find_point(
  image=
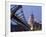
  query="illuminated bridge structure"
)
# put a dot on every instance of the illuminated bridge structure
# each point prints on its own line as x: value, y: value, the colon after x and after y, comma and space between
x: 17, y: 17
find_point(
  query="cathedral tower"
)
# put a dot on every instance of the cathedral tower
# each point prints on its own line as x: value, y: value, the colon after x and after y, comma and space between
x: 31, y: 21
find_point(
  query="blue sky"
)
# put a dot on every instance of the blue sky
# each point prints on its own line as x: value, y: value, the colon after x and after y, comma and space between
x: 37, y: 12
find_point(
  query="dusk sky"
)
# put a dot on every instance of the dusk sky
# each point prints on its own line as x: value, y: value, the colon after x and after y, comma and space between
x: 36, y: 12
x: 27, y: 10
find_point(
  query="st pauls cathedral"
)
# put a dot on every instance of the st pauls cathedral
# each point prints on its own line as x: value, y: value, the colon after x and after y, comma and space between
x: 34, y: 25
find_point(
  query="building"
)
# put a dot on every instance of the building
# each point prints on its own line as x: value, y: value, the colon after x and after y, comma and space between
x: 34, y: 25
